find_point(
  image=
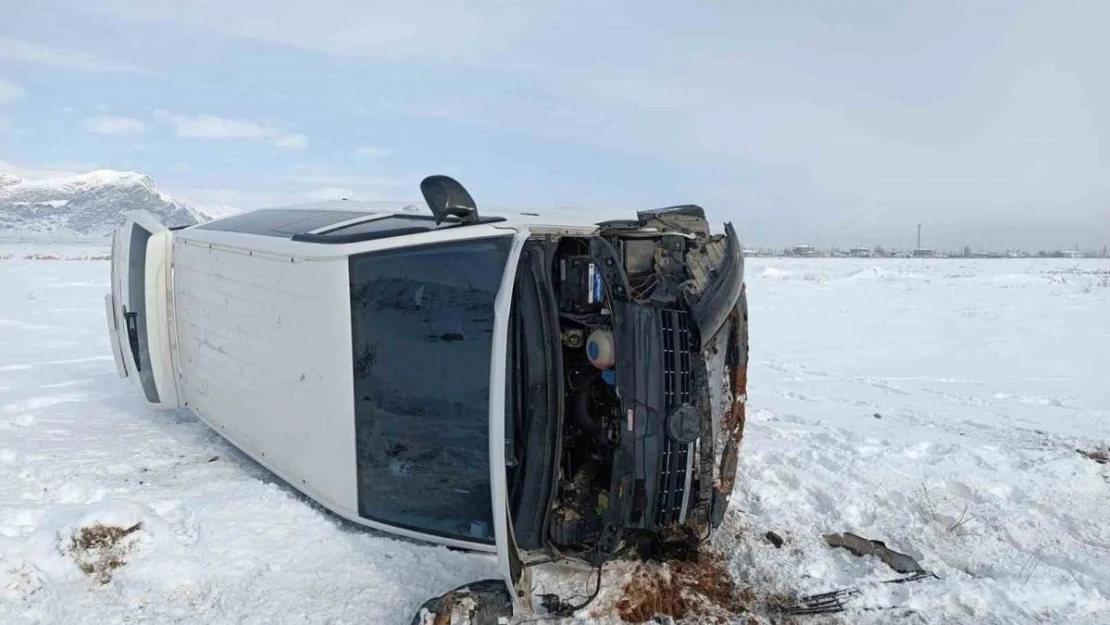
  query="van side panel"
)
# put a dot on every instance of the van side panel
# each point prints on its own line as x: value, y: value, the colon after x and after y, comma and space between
x: 264, y: 347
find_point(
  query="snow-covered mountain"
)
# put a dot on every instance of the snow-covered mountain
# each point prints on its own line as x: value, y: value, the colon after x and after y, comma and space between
x: 86, y: 204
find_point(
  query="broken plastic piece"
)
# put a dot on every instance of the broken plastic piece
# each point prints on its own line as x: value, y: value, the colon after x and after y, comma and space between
x: 861, y: 546
x: 487, y: 602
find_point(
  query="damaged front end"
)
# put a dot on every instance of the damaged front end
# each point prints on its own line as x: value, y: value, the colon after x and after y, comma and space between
x: 626, y: 369
x: 649, y: 444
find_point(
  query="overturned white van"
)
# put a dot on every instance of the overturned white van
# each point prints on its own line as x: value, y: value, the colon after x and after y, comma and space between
x: 491, y: 383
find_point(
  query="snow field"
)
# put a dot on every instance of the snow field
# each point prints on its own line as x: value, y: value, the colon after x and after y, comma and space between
x: 986, y: 376
x: 220, y: 542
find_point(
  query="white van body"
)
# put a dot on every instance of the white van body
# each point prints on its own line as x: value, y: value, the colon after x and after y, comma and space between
x: 251, y: 331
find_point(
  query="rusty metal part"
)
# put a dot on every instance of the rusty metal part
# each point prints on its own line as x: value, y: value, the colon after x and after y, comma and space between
x: 735, y: 418
x: 739, y: 369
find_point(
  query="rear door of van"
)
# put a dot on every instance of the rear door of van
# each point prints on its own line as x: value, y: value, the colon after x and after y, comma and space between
x: 140, y: 307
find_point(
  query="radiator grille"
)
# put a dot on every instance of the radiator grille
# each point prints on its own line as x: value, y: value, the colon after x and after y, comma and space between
x: 676, y: 389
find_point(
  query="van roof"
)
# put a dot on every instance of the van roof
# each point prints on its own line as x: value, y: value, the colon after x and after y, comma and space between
x: 514, y: 215
x: 322, y: 225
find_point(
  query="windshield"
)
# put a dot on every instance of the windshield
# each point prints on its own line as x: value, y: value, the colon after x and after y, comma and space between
x: 421, y: 324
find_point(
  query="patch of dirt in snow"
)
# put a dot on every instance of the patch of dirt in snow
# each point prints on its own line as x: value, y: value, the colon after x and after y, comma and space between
x: 702, y: 591
x: 100, y: 549
x: 1101, y: 456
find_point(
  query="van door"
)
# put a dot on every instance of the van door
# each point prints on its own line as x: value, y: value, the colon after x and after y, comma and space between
x: 140, y: 307
x: 517, y: 577
x: 490, y: 600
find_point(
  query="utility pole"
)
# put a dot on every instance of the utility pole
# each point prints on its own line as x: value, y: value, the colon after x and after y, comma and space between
x: 918, y: 236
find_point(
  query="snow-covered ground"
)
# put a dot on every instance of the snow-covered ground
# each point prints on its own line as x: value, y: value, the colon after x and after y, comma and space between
x: 986, y: 377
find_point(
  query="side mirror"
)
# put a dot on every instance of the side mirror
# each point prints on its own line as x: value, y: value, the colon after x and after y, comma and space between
x: 447, y: 197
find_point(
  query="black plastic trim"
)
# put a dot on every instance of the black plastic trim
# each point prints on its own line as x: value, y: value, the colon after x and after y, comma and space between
x: 713, y: 307
x: 688, y: 210
x: 336, y: 238
x: 324, y: 237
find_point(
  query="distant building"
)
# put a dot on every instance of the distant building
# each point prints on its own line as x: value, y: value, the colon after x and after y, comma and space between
x: 1070, y: 254
x: 924, y: 252
x: 803, y: 250
x: 860, y: 252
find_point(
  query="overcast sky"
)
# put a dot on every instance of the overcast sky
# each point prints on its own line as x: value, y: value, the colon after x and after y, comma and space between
x: 816, y: 121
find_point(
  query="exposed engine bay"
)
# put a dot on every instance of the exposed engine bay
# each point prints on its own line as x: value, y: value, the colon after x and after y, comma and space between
x: 639, y: 459
x: 593, y: 423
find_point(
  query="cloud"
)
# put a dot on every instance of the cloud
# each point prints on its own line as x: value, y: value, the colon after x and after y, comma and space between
x: 44, y: 172
x: 367, y: 185
x: 25, y: 51
x: 215, y: 127
x: 372, y: 151
x: 797, y: 117
x: 293, y: 140
x: 220, y: 202
x: 10, y: 92
x: 115, y: 125
x: 305, y: 182
x: 330, y: 193
x: 5, y: 125
x: 217, y: 202
x: 449, y: 31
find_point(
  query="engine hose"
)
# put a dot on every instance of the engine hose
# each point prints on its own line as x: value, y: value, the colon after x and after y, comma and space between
x: 549, y: 319
x: 580, y: 412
